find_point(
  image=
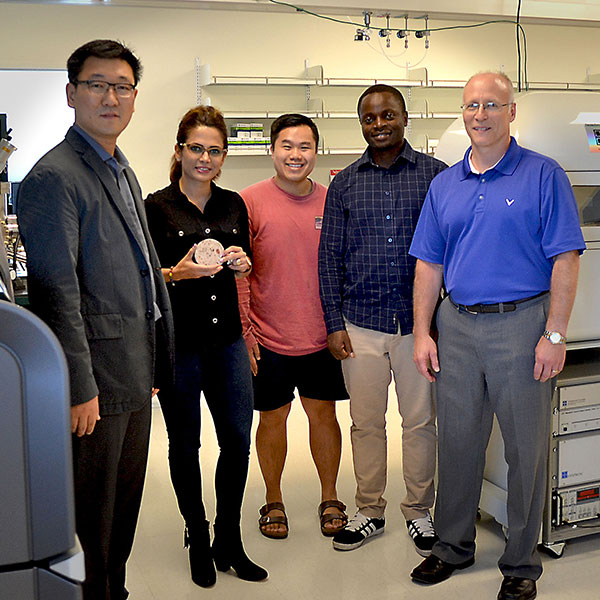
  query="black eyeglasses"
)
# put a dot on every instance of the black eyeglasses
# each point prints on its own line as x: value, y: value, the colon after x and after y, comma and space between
x: 199, y: 150
x: 99, y: 87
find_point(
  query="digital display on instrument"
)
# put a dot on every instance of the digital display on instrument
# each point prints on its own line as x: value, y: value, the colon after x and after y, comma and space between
x: 588, y: 494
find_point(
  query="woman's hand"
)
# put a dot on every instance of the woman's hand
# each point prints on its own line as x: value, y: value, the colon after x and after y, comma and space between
x: 237, y: 260
x: 186, y: 268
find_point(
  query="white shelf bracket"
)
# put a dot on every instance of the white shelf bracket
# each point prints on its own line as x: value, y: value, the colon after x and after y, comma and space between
x: 202, y: 79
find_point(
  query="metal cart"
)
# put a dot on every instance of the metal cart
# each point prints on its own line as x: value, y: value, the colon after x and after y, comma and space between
x: 572, y: 507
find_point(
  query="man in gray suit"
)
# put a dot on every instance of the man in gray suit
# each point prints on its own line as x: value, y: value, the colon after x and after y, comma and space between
x: 94, y: 277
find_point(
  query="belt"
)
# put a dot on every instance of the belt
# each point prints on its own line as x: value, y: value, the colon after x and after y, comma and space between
x: 500, y: 307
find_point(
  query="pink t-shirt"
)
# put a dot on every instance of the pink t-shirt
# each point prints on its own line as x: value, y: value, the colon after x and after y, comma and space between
x: 279, y: 302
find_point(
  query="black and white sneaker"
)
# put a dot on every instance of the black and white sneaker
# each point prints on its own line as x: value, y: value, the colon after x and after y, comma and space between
x: 359, y: 528
x: 423, y: 534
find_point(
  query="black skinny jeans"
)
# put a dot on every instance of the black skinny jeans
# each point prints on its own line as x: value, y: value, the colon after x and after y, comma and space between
x: 223, y: 374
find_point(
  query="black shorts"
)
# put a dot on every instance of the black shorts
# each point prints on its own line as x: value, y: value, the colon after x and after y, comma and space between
x: 317, y: 375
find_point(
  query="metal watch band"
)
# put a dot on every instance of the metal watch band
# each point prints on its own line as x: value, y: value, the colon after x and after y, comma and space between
x: 552, y: 334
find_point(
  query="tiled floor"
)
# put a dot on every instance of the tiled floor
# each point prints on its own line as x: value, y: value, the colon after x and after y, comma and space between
x: 304, y: 566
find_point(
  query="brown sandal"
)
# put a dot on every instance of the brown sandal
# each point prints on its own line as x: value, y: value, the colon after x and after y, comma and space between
x: 326, y: 518
x: 265, y: 520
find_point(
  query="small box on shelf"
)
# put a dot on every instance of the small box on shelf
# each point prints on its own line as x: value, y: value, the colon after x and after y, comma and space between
x: 246, y: 146
x: 247, y: 131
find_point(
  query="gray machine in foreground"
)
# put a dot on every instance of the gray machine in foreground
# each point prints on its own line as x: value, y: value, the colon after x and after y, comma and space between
x: 565, y: 126
x: 573, y: 500
x: 40, y: 557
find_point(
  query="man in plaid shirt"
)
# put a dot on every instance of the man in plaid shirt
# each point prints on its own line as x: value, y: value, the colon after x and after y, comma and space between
x: 366, y: 284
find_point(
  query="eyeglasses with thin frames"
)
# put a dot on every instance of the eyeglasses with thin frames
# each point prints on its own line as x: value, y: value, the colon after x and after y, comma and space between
x: 492, y: 107
x: 99, y: 87
x: 199, y: 150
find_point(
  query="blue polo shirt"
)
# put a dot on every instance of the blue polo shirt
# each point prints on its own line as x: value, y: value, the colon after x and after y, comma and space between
x: 496, y: 233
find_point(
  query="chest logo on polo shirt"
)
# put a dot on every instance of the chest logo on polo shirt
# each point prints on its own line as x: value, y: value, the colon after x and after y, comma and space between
x: 509, y: 202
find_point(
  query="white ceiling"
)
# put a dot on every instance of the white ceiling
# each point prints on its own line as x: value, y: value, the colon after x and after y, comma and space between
x: 579, y: 12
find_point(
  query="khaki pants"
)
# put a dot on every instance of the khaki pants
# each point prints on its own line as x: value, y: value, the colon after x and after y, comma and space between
x: 367, y: 377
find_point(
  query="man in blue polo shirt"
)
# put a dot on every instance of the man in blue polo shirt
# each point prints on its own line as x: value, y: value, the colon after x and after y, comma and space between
x: 501, y: 229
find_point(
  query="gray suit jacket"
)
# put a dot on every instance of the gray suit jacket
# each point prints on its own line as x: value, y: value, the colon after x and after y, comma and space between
x: 89, y: 280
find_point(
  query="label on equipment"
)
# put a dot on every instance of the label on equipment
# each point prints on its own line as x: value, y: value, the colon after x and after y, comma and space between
x: 593, y: 136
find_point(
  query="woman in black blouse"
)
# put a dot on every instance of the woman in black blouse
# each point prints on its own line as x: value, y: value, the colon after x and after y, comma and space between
x: 210, y: 353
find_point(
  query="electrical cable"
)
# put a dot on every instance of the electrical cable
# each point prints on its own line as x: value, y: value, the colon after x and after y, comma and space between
x: 386, y: 55
x: 520, y: 30
x: 446, y: 28
x: 413, y: 65
x: 525, y: 76
x: 15, y: 248
x: 522, y: 64
x: 518, y: 45
x: 383, y: 53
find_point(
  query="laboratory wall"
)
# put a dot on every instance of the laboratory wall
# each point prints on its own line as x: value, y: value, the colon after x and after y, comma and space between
x: 268, y: 44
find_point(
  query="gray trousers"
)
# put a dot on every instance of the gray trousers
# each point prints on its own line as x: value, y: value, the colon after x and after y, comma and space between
x: 486, y: 367
x: 109, y: 468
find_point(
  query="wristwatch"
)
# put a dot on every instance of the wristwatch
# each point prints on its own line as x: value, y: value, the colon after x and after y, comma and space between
x: 555, y: 337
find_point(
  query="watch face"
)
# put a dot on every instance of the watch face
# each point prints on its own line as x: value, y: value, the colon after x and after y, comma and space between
x: 555, y: 337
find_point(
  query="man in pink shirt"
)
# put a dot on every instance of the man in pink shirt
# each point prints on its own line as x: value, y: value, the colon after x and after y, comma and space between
x: 283, y: 322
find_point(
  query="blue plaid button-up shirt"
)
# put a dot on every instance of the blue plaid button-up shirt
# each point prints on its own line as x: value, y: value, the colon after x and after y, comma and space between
x: 365, y: 271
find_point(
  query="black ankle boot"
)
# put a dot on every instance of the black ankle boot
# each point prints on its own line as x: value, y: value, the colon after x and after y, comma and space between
x: 228, y: 552
x: 202, y: 568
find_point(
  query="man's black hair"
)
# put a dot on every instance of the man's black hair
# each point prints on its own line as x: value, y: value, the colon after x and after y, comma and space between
x: 293, y: 120
x: 382, y: 88
x: 102, y: 49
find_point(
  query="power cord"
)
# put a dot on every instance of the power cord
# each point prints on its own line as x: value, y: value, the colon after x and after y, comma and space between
x: 522, y: 61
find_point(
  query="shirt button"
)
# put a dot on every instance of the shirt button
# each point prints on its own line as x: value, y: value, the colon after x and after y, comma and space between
x: 234, y: 230
x: 388, y: 217
x: 481, y: 196
x: 215, y: 320
x: 144, y: 272
x: 390, y: 240
x: 393, y: 264
x: 213, y: 297
x: 212, y: 276
x: 387, y: 193
x: 207, y: 230
x: 180, y: 233
x: 149, y: 314
x: 483, y: 180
